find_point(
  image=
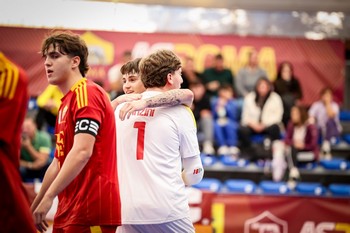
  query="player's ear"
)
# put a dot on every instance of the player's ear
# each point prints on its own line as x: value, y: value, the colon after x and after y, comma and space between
x: 75, y: 61
x: 170, y: 78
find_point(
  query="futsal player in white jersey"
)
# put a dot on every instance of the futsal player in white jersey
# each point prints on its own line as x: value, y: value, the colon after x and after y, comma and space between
x: 158, y: 155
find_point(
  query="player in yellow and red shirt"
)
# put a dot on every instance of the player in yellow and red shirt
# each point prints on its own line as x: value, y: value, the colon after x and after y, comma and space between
x: 83, y: 173
x: 15, y: 214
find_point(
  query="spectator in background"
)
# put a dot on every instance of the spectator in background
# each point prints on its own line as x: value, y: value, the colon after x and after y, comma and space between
x: 203, y: 116
x: 288, y: 87
x: 216, y: 76
x: 262, y: 114
x: 301, y: 140
x: 35, y: 151
x: 115, y: 76
x: 325, y: 113
x: 226, y: 124
x: 189, y: 74
x: 248, y: 75
x: 48, y: 103
x: 15, y: 214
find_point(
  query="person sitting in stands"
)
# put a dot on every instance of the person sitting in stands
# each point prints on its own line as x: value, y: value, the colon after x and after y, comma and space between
x: 216, y: 76
x: 261, y: 114
x: 288, y: 87
x: 203, y: 116
x: 189, y: 74
x: 248, y: 75
x: 325, y: 113
x: 226, y: 123
x: 300, y: 145
x: 35, y: 151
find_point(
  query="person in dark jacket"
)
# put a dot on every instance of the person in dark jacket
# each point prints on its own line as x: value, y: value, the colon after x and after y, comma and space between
x: 288, y: 87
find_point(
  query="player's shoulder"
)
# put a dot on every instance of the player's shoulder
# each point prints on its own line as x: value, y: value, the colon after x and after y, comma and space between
x: 87, y: 92
x: 93, y: 89
x: 14, y: 78
x: 179, y: 110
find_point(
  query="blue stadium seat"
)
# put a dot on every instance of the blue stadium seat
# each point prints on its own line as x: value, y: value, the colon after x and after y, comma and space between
x: 346, y: 138
x: 208, y: 160
x: 307, y: 166
x: 344, y: 115
x: 339, y: 189
x: 209, y: 184
x: 259, y: 138
x: 271, y: 187
x: 308, y: 188
x: 335, y: 164
x: 235, y: 162
x: 240, y: 186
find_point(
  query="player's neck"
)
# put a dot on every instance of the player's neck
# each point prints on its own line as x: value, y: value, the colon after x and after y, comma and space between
x: 66, y: 86
x: 160, y: 89
x: 167, y: 87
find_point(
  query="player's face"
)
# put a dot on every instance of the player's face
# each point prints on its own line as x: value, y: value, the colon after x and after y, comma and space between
x: 132, y: 84
x: 58, y: 66
x: 177, y: 79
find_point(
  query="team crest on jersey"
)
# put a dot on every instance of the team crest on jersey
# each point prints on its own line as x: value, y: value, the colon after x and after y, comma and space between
x: 62, y: 114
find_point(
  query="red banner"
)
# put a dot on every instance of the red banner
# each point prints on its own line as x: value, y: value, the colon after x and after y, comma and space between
x: 231, y: 213
x: 316, y: 63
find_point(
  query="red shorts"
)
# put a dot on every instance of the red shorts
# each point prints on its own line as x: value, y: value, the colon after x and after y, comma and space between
x: 85, y: 229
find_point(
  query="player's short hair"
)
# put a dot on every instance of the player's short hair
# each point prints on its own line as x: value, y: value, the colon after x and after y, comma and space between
x: 155, y: 68
x: 131, y: 67
x: 69, y: 44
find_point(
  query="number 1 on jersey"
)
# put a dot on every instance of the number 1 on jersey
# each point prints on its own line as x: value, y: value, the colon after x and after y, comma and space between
x: 140, y: 126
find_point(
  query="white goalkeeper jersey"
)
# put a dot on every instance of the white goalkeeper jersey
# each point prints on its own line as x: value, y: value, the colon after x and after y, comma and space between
x: 150, y: 146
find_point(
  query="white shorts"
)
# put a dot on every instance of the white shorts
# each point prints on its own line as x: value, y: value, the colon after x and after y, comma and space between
x: 178, y: 226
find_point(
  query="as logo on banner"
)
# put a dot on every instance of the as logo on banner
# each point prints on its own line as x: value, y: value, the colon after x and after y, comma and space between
x: 265, y: 223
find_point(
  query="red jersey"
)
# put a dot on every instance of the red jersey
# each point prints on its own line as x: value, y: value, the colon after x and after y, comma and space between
x: 15, y: 215
x: 13, y: 107
x: 92, y: 198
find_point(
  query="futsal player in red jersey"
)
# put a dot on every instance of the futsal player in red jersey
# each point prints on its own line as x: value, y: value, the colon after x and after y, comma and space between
x: 83, y: 173
x: 15, y: 215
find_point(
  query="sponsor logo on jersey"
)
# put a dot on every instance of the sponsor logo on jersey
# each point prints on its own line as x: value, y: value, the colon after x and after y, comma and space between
x: 197, y: 171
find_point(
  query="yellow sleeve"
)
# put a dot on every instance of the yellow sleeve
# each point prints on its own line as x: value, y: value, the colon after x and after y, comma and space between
x: 51, y: 92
